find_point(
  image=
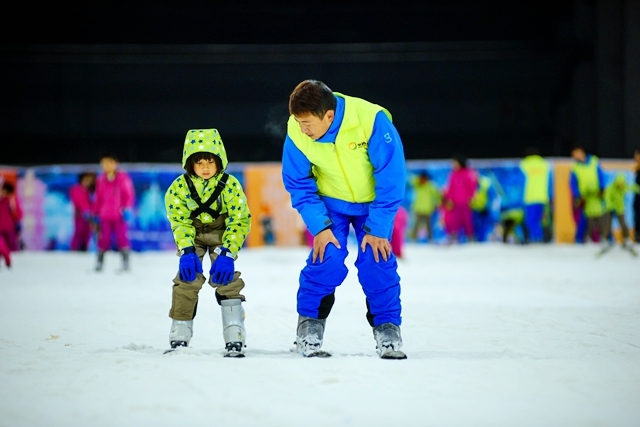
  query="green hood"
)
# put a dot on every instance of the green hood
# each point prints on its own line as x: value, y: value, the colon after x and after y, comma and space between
x: 619, y: 180
x: 204, y: 140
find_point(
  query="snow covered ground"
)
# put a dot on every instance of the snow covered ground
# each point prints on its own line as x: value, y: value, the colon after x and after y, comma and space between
x: 497, y: 335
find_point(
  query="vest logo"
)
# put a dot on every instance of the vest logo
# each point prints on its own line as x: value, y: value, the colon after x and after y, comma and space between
x: 354, y: 145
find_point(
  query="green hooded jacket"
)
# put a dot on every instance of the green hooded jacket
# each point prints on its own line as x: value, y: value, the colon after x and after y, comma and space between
x: 428, y: 197
x: 232, y: 200
x: 614, y: 194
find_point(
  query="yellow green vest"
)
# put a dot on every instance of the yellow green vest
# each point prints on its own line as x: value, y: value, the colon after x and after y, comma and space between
x: 481, y: 196
x: 589, y: 186
x: 342, y: 170
x: 536, y: 187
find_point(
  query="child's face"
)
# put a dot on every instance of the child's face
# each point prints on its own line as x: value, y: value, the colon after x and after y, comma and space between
x: 87, y: 180
x: 108, y: 165
x: 205, y: 169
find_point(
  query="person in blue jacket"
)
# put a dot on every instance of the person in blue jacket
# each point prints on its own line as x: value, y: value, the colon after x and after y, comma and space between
x: 343, y: 165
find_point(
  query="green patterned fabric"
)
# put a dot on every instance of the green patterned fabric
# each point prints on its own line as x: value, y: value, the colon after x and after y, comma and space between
x: 232, y: 200
x: 614, y: 194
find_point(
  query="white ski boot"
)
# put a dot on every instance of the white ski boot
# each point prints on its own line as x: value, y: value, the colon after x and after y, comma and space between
x: 181, y: 333
x: 310, y: 333
x: 233, y: 327
x: 388, y: 341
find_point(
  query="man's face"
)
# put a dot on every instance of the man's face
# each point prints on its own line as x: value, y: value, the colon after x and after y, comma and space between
x: 636, y: 156
x: 313, y: 126
x: 579, y: 155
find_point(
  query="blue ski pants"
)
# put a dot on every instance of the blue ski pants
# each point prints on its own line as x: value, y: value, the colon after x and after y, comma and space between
x: 379, y: 280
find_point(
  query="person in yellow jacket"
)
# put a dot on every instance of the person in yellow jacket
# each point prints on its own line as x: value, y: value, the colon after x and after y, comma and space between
x: 343, y: 165
x: 427, y: 197
x: 537, y: 195
x: 209, y: 215
x: 485, y: 207
x: 614, y: 194
x: 587, y: 189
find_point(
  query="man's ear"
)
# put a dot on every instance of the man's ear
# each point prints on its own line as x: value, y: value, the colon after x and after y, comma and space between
x: 330, y: 115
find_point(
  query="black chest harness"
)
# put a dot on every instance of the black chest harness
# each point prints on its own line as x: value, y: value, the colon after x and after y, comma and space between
x: 206, y: 206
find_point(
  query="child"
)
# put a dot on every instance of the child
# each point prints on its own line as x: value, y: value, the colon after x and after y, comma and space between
x: 614, y: 202
x: 81, y: 194
x: 511, y: 218
x: 113, y: 209
x: 398, y: 235
x: 208, y: 212
x: 10, y: 216
x: 426, y: 200
x: 456, y: 198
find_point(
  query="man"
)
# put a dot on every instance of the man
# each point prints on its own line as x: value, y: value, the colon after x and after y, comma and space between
x: 343, y: 165
x: 587, y: 187
x: 537, y: 192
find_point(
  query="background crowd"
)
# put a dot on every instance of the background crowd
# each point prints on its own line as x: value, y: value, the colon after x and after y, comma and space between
x: 465, y: 205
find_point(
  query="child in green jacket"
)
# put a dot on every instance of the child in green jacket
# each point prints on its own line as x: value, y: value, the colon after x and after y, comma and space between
x: 427, y: 198
x: 208, y: 212
x: 614, y: 204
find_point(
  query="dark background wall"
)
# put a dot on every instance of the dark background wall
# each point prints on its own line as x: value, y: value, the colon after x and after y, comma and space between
x: 483, y: 78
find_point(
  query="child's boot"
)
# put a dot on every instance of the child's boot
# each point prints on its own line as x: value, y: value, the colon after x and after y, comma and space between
x: 310, y: 334
x: 5, y: 252
x: 388, y: 341
x: 181, y: 332
x: 100, y: 262
x: 125, y: 259
x: 233, y: 327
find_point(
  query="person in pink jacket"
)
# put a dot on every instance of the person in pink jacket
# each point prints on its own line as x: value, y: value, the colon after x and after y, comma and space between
x: 81, y: 195
x: 399, y: 233
x: 459, y: 190
x: 113, y: 209
x: 10, y: 217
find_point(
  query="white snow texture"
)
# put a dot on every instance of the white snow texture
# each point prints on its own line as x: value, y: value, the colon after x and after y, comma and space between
x: 496, y: 335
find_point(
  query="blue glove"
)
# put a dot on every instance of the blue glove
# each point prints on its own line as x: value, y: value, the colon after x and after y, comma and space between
x: 222, y: 268
x: 87, y: 215
x: 127, y: 215
x: 190, y: 264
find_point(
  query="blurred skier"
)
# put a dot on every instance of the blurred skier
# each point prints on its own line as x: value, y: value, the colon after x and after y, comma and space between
x: 537, y: 192
x: 512, y: 220
x: 209, y: 214
x: 484, y: 209
x: 587, y: 188
x: 614, y: 194
x: 343, y: 165
x: 113, y: 209
x: 10, y: 217
x: 399, y: 234
x: 636, y: 199
x: 81, y: 195
x: 427, y: 198
x: 456, y: 198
